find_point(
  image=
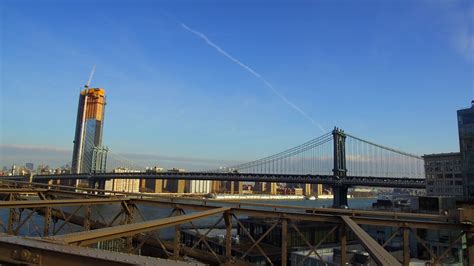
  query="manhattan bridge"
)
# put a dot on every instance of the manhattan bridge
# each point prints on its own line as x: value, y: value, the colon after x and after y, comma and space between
x: 60, y: 224
x: 336, y: 159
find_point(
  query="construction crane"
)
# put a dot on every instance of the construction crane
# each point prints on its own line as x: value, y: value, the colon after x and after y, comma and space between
x: 90, y: 77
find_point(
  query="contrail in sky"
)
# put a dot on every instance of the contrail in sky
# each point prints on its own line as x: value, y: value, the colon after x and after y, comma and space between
x: 253, y: 72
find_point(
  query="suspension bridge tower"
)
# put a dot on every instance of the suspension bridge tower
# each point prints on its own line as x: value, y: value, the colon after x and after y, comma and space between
x: 339, y: 170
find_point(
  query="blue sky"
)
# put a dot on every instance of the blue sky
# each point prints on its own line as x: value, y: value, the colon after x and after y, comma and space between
x: 393, y: 72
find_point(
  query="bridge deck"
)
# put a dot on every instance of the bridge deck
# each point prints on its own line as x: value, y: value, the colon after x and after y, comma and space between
x: 371, y: 181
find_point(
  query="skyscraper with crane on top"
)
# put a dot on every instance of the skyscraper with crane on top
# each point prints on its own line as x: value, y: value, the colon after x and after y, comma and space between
x: 89, y: 156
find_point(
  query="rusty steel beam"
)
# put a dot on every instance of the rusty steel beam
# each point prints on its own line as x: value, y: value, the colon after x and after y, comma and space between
x: 71, y: 189
x: 377, y: 252
x: 343, y: 240
x: 312, y: 249
x: 470, y: 248
x: 56, y: 203
x: 204, y: 240
x: 198, y: 254
x: 392, y: 219
x: 284, y: 241
x: 94, y: 236
x: 150, y: 241
x: 395, y: 234
x: 406, y: 246
x: 351, y: 213
x: 253, y: 240
x: 172, y: 204
x: 22, y: 190
x: 75, y: 195
x: 27, y: 251
x: 228, y: 236
x: 375, y: 214
x: 260, y: 239
x: 359, y: 220
x: 319, y: 217
x: 386, y: 219
x: 277, y: 207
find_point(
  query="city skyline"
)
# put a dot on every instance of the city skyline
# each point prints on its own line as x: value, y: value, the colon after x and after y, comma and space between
x: 163, y: 103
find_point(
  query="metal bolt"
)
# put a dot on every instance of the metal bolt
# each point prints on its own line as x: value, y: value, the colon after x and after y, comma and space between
x: 25, y: 254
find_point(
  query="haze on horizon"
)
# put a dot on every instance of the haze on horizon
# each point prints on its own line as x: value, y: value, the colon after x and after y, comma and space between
x: 241, y: 80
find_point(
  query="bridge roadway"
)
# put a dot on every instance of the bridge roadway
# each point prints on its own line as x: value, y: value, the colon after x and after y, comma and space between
x: 368, y: 181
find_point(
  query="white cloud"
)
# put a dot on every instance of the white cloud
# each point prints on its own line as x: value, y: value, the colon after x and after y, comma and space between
x: 56, y: 156
x: 27, y: 147
x: 458, y: 19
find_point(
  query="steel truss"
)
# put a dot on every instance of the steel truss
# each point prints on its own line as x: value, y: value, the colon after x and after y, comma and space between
x: 59, y: 218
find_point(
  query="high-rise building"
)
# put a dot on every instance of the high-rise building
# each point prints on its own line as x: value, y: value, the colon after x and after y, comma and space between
x: 89, y: 156
x: 466, y: 145
x: 444, y: 175
x: 30, y: 166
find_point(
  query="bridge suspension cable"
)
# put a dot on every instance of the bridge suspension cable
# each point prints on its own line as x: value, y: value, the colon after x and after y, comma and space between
x: 124, y: 162
x: 365, y: 158
x: 312, y: 157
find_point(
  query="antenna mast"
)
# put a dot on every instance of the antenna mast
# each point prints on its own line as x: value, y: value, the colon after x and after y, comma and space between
x: 90, y: 77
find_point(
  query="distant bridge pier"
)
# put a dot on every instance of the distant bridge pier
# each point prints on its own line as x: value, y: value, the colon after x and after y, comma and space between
x: 92, y: 183
x: 339, y: 171
x: 340, y: 195
x: 101, y: 184
x: 97, y: 183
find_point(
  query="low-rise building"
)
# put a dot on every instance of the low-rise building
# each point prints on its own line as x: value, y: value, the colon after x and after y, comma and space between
x: 123, y: 185
x: 200, y: 186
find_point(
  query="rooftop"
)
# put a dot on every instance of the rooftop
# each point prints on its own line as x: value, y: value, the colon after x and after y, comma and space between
x: 444, y: 154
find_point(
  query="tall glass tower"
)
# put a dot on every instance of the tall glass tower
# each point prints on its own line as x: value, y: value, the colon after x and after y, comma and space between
x: 89, y: 156
x: 466, y: 145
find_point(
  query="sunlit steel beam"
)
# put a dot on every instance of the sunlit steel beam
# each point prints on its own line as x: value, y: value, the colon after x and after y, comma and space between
x: 94, y: 236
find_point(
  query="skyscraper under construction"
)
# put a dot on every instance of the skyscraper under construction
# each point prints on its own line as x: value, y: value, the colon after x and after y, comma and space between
x: 89, y: 156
